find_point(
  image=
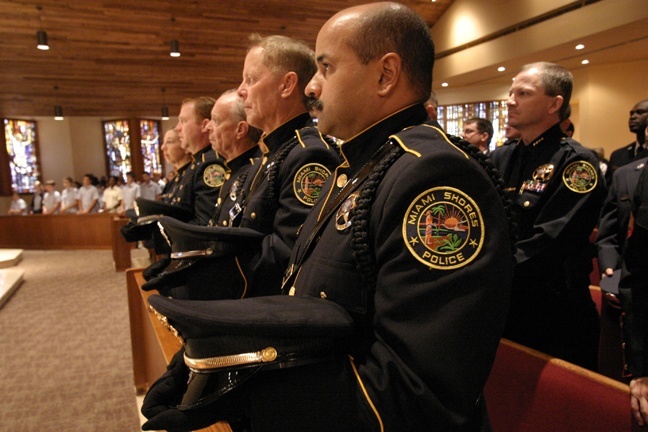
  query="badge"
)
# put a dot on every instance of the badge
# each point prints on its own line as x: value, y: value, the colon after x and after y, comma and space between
x: 443, y: 228
x: 309, y: 181
x: 580, y: 177
x: 543, y: 173
x: 342, y: 216
x: 214, y: 175
x: 234, y: 189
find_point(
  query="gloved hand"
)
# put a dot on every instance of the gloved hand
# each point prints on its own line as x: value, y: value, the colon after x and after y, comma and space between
x: 162, y: 399
x: 156, y: 268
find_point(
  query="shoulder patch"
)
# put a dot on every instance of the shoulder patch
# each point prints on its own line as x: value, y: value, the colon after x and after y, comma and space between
x: 580, y: 177
x: 443, y: 228
x: 308, y: 182
x: 214, y: 175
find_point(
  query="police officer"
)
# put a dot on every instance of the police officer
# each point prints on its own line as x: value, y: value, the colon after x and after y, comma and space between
x: 175, y: 155
x: 558, y: 190
x: 637, y: 123
x: 206, y: 173
x: 409, y: 237
x: 283, y: 184
x: 235, y: 141
x: 633, y: 289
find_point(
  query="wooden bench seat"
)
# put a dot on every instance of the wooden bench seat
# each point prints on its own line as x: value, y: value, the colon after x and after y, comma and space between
x: 529, y: 391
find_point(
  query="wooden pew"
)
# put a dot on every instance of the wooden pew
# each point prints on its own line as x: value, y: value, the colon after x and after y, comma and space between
x: 529, y: 391
x: 152, y: 344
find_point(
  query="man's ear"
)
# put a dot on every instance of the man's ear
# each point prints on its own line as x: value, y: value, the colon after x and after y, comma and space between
x: 203, y: 125
x: 241, y: 130
x: 288, y: 84
x: 556, y: 104
x: 390, y: 71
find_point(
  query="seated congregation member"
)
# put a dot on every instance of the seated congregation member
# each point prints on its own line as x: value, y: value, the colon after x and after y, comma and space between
x: 277, y: 193
x: 558, y: 190
x: 69, y: 196
x: 88, y: 196
x: 633, y: 293
x: 398, y: 283
x: 51, y: 198
x: 18, y: 206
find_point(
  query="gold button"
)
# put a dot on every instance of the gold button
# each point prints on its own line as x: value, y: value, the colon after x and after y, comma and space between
x: 269, y: 354
x: 322, y: 294
x: 219, y: 200
x: 341, y: 181
x: 224, y: 223
x: 227, y: 176
x: 253, y: 215
x: 527, y: 203
x: 292, y: 291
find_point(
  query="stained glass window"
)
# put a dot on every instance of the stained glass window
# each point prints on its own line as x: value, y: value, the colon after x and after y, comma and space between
x: 150, y: 143
x: 117, y: 139
x: 22, y: 149
x: 452, y: 117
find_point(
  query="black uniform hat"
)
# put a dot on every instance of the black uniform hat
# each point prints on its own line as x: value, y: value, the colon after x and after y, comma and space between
x: 228, y: 341
x: 144, y: 216
x: 204, y: 259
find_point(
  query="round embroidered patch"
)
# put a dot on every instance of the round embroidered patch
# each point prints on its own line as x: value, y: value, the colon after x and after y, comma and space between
x: 308, y: 182
x: 580, y: 177
x: 443, y: 228
x: 214, y: 175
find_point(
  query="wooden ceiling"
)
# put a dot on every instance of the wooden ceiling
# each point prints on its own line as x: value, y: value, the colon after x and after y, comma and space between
x: 110, y: 58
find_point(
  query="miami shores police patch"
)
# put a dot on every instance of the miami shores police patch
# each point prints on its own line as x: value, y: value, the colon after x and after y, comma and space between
x: 214, y: 175
x: 580, y: 177
x: 443, y: 228
x: 308, y: 182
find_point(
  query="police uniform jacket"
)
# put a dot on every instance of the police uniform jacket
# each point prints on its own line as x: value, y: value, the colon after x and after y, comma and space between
x: 205, y: 183
x: 615, y: 215
x: 275, y: 201
x: 558, y: 191
x: 633, y: 286
x: 422, y: 260
x: 236, y: 171
x: 175, y: 192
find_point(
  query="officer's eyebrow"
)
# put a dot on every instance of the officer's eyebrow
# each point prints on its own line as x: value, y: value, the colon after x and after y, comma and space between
x: 321, y: 58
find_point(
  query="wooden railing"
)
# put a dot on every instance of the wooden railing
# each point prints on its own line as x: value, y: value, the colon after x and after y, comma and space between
x: 67, y: 231
x: 153, y: 345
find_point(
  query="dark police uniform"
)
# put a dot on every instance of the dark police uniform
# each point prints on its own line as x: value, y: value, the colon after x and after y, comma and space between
x: 174, y: 190
x: 411, y: 240
x: 633, y: 287
x: 558, y: 190
x: 615, y: 215
x: 208, y: 176
x: 236, y: 171
x: 275, y: 198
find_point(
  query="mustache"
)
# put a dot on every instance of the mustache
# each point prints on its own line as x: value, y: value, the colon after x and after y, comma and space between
x: 312, y: 103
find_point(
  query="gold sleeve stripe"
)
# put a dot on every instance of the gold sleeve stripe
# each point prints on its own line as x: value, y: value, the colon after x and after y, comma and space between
x: 447, y: 140
x: 364, y: 390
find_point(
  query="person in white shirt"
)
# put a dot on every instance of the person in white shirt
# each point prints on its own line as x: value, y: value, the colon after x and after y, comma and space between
x: 69, y: 196
x: 112, y: 196
x: 130, y: 192
x: 51, y: 199
x: 87, y: 196
x: 149, y: 189
x: 18, y: 205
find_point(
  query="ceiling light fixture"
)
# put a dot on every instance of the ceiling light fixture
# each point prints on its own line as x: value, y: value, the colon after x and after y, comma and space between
x: 58, y: 112
x: 175, y: 48
x: 165, y: 108
x: 445, y: 84
x: 41, y: 35
x: 501, y: 69
x: 585, y: 62
x: 580, y: 46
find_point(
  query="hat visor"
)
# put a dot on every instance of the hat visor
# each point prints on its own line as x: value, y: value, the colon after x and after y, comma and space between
x: 207, y: 387
x: 172, y: 276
